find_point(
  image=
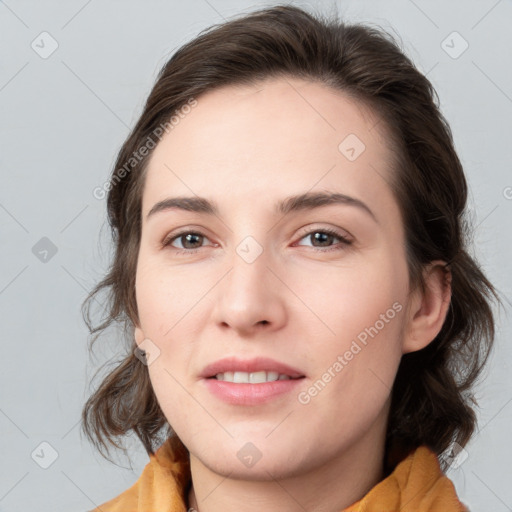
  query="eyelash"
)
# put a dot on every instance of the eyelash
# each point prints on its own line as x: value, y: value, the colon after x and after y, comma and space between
x: 343, y: 240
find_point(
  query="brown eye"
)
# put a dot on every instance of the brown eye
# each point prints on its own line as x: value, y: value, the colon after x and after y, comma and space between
x: 189, y: 241
x: 325, y: 238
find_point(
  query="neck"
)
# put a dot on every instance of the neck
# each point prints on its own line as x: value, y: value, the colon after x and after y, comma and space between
x: 332, y: 486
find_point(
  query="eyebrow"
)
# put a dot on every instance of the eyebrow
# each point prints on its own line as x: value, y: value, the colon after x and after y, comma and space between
x: 306, y: 201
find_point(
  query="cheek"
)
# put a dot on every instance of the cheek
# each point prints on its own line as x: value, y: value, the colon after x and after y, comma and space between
x: 165, y: 297
x: 353, y: 370
x: 180, y: 411
x: 160, y: 309
x: 343, y: 303
x: 354, y: 339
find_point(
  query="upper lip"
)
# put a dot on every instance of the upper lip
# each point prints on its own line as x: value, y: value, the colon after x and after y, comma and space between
x: 234, y: 364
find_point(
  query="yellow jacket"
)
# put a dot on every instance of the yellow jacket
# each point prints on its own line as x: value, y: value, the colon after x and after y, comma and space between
x: 417, y: 484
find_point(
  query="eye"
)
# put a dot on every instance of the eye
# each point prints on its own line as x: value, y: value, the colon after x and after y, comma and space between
x: 325, y: 237
x: 190, y: 241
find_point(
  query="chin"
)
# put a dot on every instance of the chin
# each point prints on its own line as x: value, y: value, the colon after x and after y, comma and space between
x: 252, y: 457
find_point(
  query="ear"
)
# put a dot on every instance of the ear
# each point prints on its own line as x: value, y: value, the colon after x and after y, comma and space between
x: 138, y: 335
x: 427, y: 310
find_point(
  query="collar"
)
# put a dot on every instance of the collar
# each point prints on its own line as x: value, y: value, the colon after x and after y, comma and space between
x: 417, y: 484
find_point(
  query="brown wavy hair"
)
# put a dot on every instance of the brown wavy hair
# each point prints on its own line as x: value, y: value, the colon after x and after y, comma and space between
x: 431, y: 400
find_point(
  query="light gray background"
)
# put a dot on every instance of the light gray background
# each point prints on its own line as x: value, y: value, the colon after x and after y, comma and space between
x: 62, y: 121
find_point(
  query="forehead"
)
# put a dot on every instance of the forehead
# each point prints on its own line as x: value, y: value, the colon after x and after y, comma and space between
x: 247, y: 143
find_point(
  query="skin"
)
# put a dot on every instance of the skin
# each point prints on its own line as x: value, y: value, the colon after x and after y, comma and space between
x: 245, y: 148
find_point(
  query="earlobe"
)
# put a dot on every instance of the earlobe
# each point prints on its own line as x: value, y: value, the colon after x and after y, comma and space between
x: 428, y: 310
x: 138, y: 335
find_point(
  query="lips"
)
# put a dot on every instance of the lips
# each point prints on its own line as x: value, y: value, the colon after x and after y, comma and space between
x: 259, y: 364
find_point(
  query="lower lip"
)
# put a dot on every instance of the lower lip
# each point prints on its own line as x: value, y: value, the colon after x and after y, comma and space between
x: 250, y: 394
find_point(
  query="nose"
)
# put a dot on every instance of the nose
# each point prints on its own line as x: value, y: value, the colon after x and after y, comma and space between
x: 250, y: 298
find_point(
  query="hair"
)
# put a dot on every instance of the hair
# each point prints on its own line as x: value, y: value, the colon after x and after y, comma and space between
x: 431, y: 403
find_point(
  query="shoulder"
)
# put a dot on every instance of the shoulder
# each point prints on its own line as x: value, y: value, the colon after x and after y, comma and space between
x: 161, y: 485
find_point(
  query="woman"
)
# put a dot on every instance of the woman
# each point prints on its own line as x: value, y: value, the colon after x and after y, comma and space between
x: 304, y: 321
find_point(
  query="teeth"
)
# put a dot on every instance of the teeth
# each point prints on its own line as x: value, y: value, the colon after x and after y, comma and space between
x: 241, y: 377
x: 252, y: 378
x: 256, y: 377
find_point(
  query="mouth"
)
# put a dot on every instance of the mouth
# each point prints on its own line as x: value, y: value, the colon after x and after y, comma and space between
x: 258, y: 377
x: 250, y: 371
x: 250, y: 382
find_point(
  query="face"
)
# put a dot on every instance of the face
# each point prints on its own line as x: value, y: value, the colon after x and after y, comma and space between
x: 248, y: 284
